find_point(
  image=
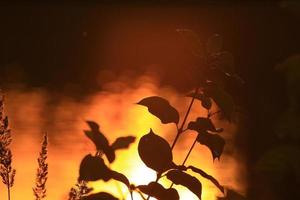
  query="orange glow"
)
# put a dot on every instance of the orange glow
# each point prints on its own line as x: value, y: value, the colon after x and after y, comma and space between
x: 32, y: 112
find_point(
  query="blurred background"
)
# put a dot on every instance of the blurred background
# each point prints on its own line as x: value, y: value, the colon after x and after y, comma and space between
x: 62, y: 59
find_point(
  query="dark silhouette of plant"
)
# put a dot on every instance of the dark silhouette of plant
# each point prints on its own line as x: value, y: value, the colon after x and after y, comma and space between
x: 42, y: 171
x: 7, y: 172
x: 80, y: 189
x: 93, y: 167
x: 213, y: 73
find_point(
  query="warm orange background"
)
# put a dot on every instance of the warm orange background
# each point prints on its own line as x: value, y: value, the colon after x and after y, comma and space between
x: 34, y: 111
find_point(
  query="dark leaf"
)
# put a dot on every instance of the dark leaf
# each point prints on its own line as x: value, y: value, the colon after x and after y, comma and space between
x: 100, y: 196
x: 203, y: 124
x: 214, y: 44
x: 213, y: 141
x: 93, y: 168
x: 120, y: 177
x: 207, y: 176
x: 192, y: 41
x: 100, y: 141
x: 93, y: 125
x: 155, y: 152
x: 123, y: 142
x: 181, y: 178
x: 223, y: 100
x: 161, y: 108
x: 159, y: 192
x: 205, y: 100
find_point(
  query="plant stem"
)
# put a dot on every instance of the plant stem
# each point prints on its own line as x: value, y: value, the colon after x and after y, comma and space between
x: 8, y: 186
x: 195, y: 141
x: 180, y: 130
x: 187, y: 156
x: 157, y: 178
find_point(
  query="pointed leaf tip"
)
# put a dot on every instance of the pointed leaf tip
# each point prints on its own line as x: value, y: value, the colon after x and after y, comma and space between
x: 181, y: 178
x: 93, y: 125
x: 207, y: 176
x: 155, y: 152
x: 213, y: 141
x: 161, y: 108
x: 123, y: 142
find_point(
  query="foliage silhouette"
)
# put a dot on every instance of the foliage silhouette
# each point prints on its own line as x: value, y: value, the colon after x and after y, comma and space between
x: 7, y: 172
x: 157, y: 191
x: 207, y: 176
x: 206, y: 102
x: 79, y: 191
x: 39, y: 190
x: 216, y: 67
x: 93, y: 168
x: 161, y: 108
x: 99, y: 196
x: 102, y: 144
x: 123, y: 142
x: 181, y: 178
x: 156, y: 152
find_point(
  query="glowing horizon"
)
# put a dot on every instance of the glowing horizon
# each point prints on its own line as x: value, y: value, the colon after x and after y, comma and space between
x: 118, y: 115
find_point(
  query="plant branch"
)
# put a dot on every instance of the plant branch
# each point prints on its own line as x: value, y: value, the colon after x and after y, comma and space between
x: 187, y: 156
x: 212, y: 114
x: 180, y: 130
x: 157, y: 178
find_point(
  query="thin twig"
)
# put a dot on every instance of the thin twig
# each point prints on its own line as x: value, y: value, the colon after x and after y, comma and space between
x: 180, y: 130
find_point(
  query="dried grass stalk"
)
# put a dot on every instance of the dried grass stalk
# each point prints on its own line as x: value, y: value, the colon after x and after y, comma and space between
x: 42, y: 171
x: 80, y: 189
x: 7, y: 172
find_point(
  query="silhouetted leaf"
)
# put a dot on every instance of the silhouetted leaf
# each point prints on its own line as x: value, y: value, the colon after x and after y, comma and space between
x: 93, y: 125
x: 205, y: 100
x: 192, y: 40
x: 203, y: 124
x: 159, y: 192
x: 100, y: 141
x: 213, y: 141
x: 120, y: 177
x: 232, y: 195
x: 214, y: 44
x: 207, y: 176
x: 155, y: 152
x: 93, y: 168
x: 123, y: 142
x: 100, y: 196
x: 222, y: 99
x: 161, y: 108
x: 181, y: 178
